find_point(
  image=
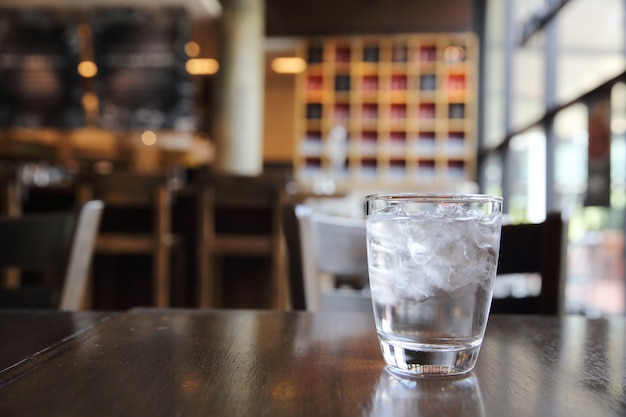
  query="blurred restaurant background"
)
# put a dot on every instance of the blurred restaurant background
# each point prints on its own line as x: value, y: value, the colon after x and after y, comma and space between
x: 334, y: 100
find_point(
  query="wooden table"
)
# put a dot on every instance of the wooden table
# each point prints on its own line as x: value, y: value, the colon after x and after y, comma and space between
x: 26, y: 334
x: 268, y: 363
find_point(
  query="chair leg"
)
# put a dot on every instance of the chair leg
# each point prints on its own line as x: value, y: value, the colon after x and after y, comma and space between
x: 87, y: 302
x: 279, y: 276
x: 205, y: 259
x: 218, y: 281
x: 161, y: 274
x: 206, y: 290
x: 178, y: 278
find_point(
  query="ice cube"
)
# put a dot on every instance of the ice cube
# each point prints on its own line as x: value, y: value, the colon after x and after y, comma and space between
x: 383, y: 250
x: 420, y: 251
x: 410, y: 282
x: 393, y: 211
x: 380, y: 255
x: 486, y: 233
x: 451, y: 210
x: 413, y: 208
x: 390, y: 232
x: 424, y: 254
x: 485, y: 269
x: 382, y: 287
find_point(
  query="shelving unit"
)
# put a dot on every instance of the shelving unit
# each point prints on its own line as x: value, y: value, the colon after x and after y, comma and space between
x: 407, y: 103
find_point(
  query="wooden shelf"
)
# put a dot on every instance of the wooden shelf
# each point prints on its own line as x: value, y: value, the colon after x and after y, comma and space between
x: 407, y: 103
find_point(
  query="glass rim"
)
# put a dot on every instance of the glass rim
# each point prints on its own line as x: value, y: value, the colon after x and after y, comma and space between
x: 434, y: 197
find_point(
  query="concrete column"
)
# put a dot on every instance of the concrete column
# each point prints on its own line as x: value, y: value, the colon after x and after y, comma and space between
x: 240, y: 88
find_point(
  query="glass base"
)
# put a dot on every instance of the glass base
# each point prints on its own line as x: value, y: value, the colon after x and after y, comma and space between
x: 427, y: 361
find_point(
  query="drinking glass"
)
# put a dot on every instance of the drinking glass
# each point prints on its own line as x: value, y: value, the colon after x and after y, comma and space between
x: 432, y: 263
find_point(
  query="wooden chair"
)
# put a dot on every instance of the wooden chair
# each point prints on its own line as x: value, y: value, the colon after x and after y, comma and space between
x: 538, y: 248
x: 238, y: 198
x: 60, y: 244
x: 126, y: 194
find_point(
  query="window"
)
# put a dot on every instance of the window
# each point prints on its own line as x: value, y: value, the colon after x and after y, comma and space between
x: 590, y: 38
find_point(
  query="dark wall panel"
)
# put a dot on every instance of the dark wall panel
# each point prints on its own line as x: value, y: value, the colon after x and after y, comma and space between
x: 39, y: 83
x: 142, y: 82
x: 331, y: 17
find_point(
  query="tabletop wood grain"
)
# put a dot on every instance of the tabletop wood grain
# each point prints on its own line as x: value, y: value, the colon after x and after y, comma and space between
x: 263, y: 363
x: 24, y: 333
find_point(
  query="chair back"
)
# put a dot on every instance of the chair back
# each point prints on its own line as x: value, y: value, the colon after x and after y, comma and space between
x: 339, y: 245
x: 320, y: 245
x: 136, y: 203
x: 538, y: 248
x: 137, y: 221
x: 239, y: 217
x: 59, y: 243
x: 234, y: 191
x: 126, y: 189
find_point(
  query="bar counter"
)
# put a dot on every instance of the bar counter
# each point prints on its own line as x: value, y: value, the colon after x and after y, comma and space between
x: 151, y: 362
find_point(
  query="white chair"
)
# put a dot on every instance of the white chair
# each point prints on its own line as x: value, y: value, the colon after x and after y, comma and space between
x: 333, y: 252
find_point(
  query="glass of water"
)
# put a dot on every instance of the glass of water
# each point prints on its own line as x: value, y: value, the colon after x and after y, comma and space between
x: 432, y: 263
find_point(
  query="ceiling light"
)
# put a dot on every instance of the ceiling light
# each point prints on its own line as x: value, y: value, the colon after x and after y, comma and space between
x: 192, y: 49
x: 87, y: 69
x: 202, y: 66
x: 288, y: 65
x: 148, y: 138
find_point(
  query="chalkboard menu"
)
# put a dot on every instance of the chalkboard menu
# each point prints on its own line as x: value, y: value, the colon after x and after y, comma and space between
x: 39, y: 84
x: 142, y: 82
